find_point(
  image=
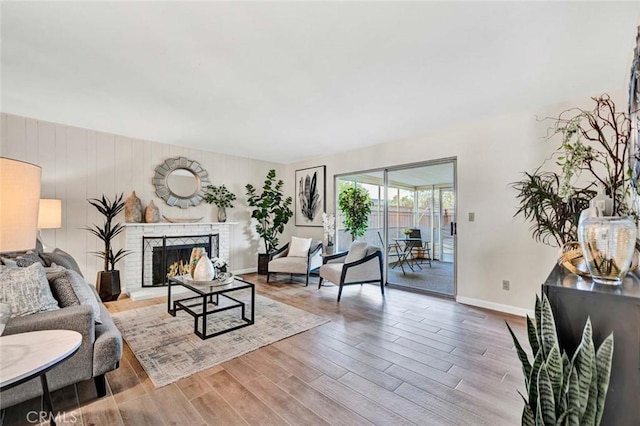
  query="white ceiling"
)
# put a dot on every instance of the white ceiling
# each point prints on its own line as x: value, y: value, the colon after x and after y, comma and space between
x: 287, y: 81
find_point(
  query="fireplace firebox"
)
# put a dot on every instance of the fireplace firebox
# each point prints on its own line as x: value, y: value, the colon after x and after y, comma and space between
x: 168, y: 256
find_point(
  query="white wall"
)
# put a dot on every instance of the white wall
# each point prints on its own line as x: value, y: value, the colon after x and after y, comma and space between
x: 491, y: 154
x: 78, y: 164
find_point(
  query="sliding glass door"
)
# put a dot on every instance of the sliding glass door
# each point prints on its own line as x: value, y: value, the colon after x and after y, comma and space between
x: 413, y: 219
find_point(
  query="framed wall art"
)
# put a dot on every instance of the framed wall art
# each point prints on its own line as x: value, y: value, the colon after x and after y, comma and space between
x: 310, y: 196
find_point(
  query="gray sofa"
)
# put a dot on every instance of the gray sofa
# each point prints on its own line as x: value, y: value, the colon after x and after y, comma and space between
x: 100, y: 351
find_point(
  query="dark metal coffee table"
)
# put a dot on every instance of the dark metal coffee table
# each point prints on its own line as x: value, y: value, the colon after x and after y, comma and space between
x: 211, y: 297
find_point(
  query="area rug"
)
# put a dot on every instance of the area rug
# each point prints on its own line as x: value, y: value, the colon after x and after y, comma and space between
x: 168, y: 349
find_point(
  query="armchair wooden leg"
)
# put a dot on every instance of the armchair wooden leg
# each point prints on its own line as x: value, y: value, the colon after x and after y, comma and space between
x: 382, y: 287
x: 320, y: 282
x: 339, y: 293
x: 268, y: 275
x: 306, y: 283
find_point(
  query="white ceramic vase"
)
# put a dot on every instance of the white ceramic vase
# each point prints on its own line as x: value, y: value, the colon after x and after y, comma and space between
x: 204, y: 270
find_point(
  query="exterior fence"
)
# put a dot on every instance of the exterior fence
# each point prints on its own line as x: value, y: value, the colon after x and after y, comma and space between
x: 399, y: 220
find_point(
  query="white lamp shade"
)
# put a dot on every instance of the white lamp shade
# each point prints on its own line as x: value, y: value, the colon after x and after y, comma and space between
x: 19, y: 200
x: 50, y: 214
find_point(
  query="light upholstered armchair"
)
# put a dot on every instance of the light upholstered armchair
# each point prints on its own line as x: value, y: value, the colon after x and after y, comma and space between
x: 361, y: 264
x: 299, y: 257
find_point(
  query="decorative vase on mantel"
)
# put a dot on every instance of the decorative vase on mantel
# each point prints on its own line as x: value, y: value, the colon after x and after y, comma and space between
x: 222, y: 214
x: 133, y: 209
x: 151, y: 213
x: 608, y: 245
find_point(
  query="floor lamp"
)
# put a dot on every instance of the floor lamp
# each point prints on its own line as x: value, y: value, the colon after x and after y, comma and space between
x: 49, y: 217
x: 19, y: 200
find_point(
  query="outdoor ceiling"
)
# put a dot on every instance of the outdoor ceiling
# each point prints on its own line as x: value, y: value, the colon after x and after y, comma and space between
x: 410, y: 178
x: 288, y: 81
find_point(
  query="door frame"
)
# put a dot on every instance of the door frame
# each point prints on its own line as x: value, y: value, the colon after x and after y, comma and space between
x: 396, y: 167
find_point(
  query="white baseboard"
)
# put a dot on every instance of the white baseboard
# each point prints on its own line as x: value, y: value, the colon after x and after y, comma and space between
x: 507, y: 309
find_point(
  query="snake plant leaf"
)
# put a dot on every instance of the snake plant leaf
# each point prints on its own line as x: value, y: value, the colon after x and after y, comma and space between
x: 554, y: 369
x: 547, y: 326
x: 546, y: 401
x: 533, y: 378
x: 582, y: 362
x: 604, y: 356
x: 522, y: 355
x: 566, y: 372
x: 538, y: 315
x: 560, y: 421
x: 533, y: 335
x: 527, y: 416
x: 573, y: 397
x: 589, y: 416
x: 538, y: 416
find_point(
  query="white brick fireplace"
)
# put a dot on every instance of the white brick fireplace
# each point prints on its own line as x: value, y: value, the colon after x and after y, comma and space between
x: 133, y: 240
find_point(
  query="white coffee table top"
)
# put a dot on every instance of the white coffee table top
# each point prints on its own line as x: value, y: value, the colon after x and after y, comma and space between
x: 26, y: 354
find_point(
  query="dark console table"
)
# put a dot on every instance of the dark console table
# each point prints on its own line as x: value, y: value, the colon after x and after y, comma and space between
x: 572, y: 299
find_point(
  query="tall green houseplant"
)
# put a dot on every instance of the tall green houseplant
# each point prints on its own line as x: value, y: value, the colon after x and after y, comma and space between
x: 355, y: 203
x: 108, y: 281
x: 271, y: 209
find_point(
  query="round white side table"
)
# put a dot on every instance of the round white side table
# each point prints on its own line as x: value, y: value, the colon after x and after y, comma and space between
x: 25, y: 356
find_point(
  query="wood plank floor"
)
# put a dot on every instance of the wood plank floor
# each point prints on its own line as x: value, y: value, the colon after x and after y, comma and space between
x: 407, y: 359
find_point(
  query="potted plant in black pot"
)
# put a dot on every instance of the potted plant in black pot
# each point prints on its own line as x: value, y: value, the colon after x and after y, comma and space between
x: 272, y: 211
x: 108, y: 281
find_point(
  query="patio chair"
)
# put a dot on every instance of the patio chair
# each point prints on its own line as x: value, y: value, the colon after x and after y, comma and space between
x: 392, y: 247
x: 417, y: 246
x: 361, y: 264
x: 393, y: 250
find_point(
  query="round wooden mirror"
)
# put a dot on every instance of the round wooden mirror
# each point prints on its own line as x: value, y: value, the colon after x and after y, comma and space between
x: 181, y: 182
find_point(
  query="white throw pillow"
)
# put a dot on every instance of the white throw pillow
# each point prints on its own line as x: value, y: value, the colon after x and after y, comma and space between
x: 357, y: 251
x: 26, y: 290
x: 299, y: 247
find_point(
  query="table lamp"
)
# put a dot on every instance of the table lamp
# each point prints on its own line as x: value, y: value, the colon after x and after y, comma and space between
x: 19, y: 200
x: 49, y: 216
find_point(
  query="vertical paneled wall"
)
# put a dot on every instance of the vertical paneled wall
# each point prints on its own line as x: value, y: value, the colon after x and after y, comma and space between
x: 78, y: 164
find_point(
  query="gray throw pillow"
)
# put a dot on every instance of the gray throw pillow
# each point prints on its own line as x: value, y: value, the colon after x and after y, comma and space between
x: 26, y: 290
x: 62, y: 289
x: 61, y: 258
x: 23, y: 260
x: 84, y: 293
x: 7, y: 261
x: 28, y: 259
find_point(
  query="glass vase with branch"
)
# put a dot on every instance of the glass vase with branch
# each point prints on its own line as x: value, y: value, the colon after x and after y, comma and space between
x: 593, y: 153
